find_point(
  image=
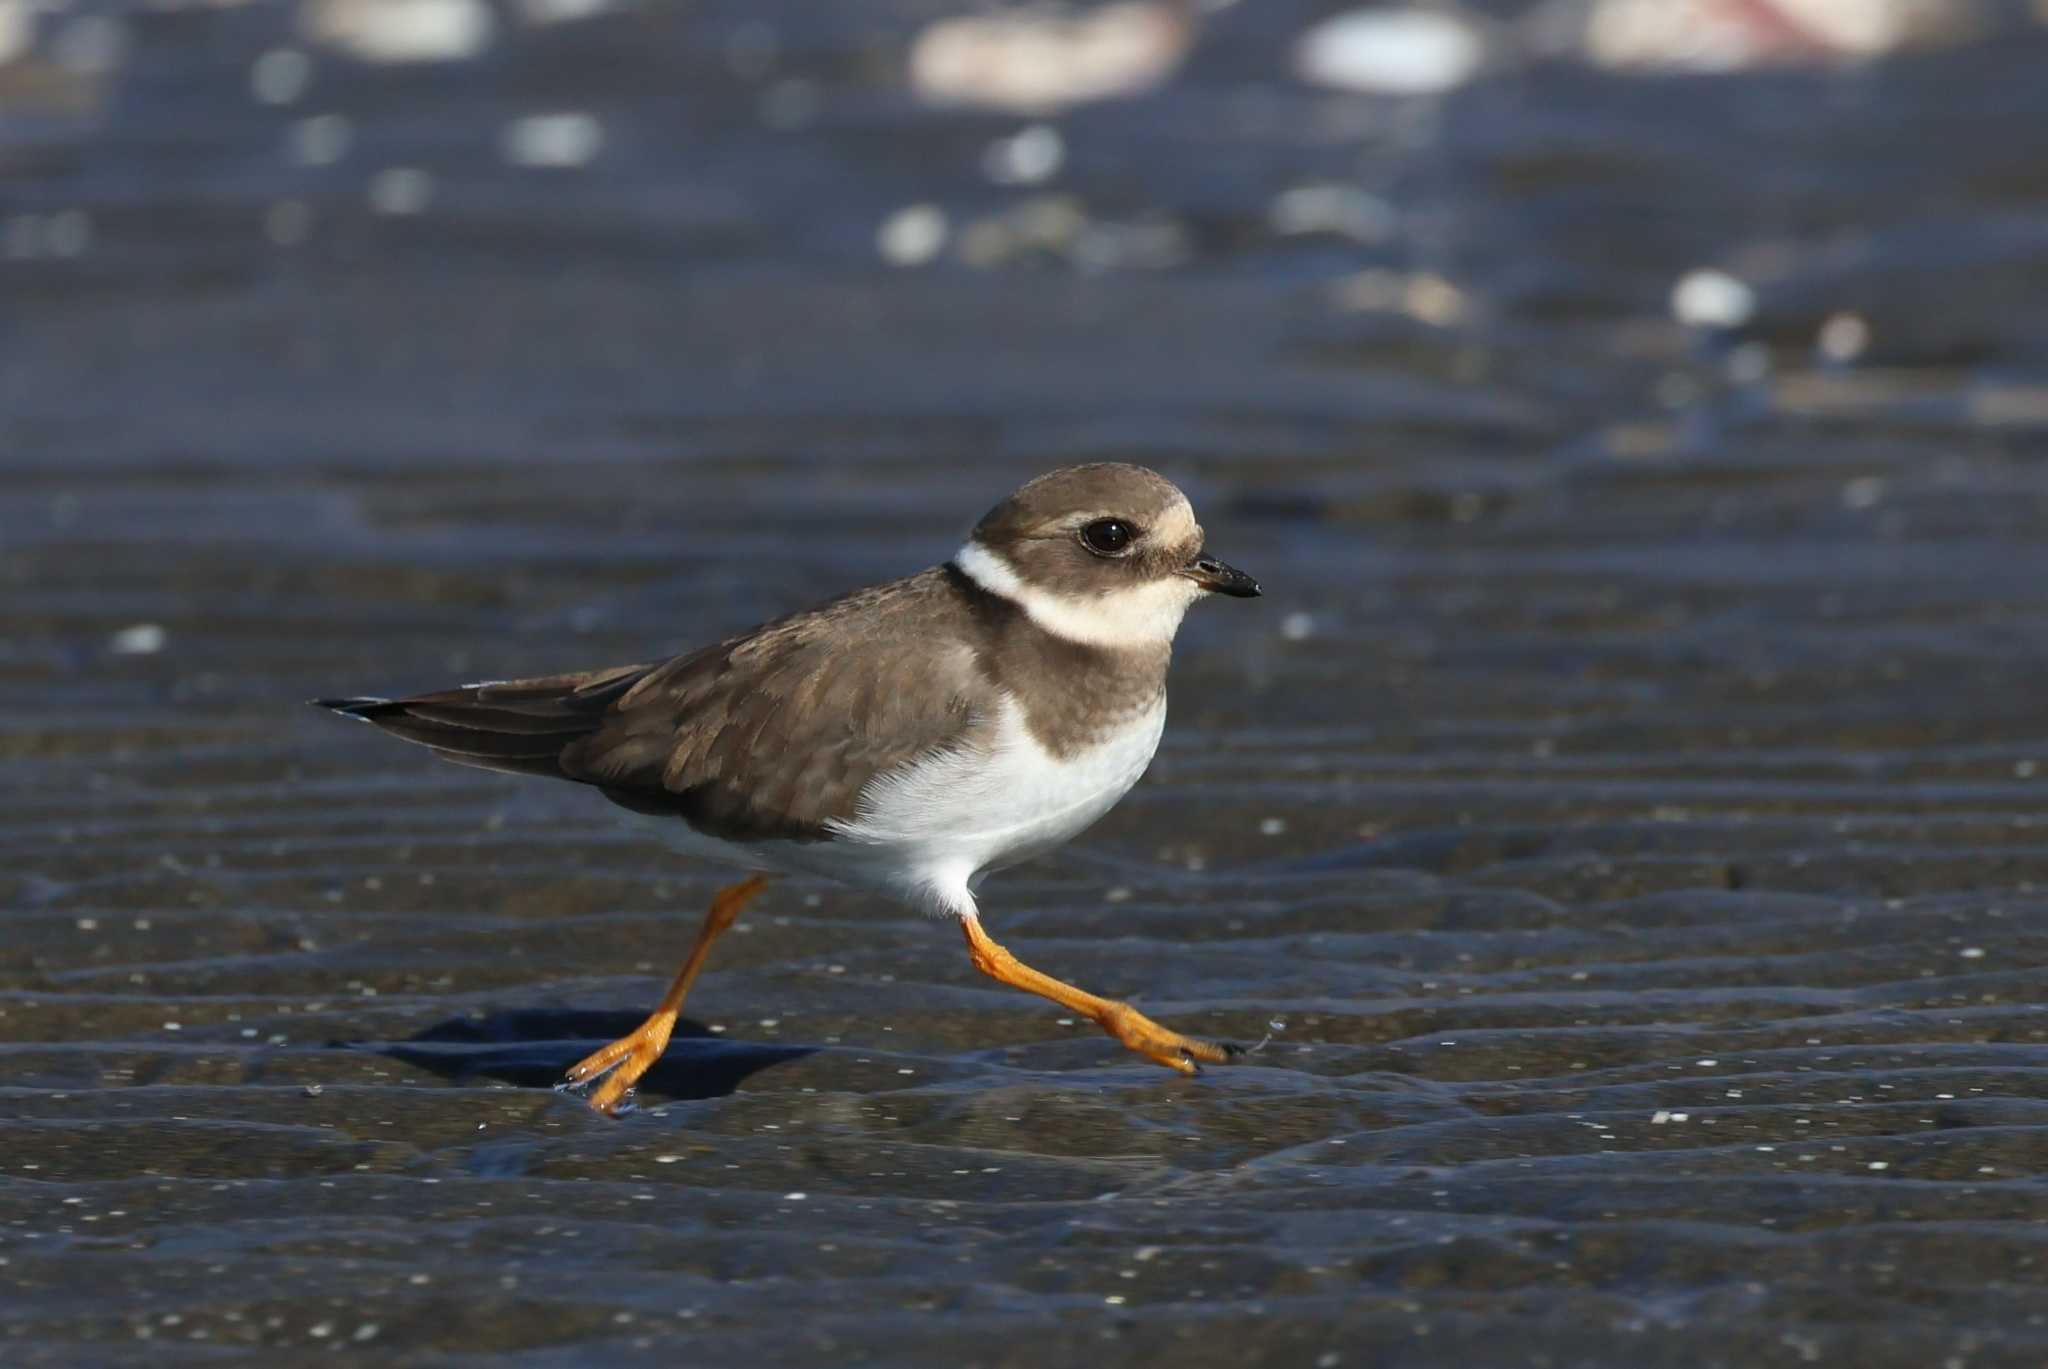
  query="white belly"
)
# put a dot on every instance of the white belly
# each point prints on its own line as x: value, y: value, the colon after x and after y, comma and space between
x: 928, y: 833
x: 951, y: 819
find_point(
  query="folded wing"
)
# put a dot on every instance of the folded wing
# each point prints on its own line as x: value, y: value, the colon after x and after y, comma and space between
x: 773, y: 734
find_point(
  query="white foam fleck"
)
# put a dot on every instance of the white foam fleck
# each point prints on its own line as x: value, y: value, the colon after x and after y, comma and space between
x: 1390, y: 52
x: 565, y: 139
x: 913, y: 235
x: 401, y: 190
x: 321, y: 139
x: 280, y: 76
x: 1844, y: 337
x: 1032, y: 155
x: 142, y: 639
x: 400, y: 31
x: 1729, y: 35
x: 17, y: 29
x: 1712, y: 299
x: 1037, y: 60
x: 1332, y: 207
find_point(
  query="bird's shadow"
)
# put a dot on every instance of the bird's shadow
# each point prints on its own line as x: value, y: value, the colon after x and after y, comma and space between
x: 533, y: 1047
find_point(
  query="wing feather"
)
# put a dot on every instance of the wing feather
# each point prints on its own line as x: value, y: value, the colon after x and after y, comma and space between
x: 774, y: 733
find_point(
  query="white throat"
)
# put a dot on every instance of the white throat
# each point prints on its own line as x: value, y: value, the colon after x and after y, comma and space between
x: 1144, y: 615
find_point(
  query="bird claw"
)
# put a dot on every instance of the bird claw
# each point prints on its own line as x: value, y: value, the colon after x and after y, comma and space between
x: 582, y: 1086
x: 1189, y: 1061
x: 589, y: 1088
x: 1198, y: 1052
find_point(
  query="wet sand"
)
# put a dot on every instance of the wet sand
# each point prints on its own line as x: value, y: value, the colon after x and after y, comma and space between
x: 1624, y: 814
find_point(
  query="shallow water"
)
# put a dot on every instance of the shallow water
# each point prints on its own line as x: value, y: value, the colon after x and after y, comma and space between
x: 1624, y: 813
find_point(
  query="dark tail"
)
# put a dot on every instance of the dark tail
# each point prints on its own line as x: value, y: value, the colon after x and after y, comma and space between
x: 520, y: 727
x: 355, y: 708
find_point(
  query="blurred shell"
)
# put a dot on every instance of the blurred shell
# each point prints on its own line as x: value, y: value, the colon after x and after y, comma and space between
x: 1031, y: 61
x: 1731, y: 35
x: 17, y: 29
x: 1390, y: 52
x: 399, y: 30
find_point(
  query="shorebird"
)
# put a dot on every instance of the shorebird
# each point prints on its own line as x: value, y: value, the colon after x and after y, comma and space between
x: 909, y: 738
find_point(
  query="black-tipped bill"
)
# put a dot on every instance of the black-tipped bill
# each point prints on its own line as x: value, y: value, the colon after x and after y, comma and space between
x: 1220, y: 577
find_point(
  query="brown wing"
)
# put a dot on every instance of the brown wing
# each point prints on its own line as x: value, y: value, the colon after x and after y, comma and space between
x: 770, y: 734
x: 518, y: 726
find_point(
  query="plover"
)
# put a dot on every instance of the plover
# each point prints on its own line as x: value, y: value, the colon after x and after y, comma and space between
x: 909, y: 738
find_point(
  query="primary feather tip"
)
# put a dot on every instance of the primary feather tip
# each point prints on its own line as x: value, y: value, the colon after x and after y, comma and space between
x: 355, y: 708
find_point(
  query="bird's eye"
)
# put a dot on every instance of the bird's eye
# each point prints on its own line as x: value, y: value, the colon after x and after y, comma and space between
x: 1107, y: 536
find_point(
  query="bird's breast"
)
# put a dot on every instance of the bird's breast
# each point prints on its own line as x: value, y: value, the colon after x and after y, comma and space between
x: 1007, y: 797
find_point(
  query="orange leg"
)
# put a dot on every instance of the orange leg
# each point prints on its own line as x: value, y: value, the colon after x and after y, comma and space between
x: 1137, y: 1031
x: 606, y: 1079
